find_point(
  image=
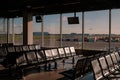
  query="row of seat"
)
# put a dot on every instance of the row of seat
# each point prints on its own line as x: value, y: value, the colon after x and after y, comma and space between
x: 29, y: 56
x: 8, y: 54
x: 107, y: 67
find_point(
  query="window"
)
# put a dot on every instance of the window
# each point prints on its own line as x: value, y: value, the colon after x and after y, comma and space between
x: 71, y: 33
x: 96, y: 30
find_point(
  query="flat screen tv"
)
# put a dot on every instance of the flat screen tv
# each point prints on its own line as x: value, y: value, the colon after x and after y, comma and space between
x: 38, y: 19
x: 73, y: 20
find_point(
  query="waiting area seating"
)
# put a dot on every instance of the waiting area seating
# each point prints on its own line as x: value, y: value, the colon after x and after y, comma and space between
x: 19, y: 58
x: 106, y: 67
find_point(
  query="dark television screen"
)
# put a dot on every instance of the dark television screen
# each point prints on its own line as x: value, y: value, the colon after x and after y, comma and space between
x: 73, y: 20
x: 38, y: 19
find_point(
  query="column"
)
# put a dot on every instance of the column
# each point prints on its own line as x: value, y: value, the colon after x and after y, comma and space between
x: 27, y: 28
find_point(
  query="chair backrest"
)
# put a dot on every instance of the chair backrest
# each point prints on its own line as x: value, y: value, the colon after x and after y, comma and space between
x: 21, y: 60
x: 79, y: 67
x: 61, y: 52
x: 3, y: 52
x: 114, y: 59
x: 40, y: 55
x: 109, y: 63
x: 117, y: 56
x: 104, y: 66
x: 37, y: 46
x: 96, y: 70
x: 18, y: 48
x: 31, y: 47
x: 72, y: 50
x: 25, y: 48
x: 55, y: 53
x: 31, y: 57
x: 11, y: 55
x: 48, y: 54
x: 87, y: 67
x: 67, y: 51
x: 10, y: 49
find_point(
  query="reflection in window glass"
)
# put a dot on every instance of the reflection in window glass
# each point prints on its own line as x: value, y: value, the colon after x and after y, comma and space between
x: 71, y: 33
x: 3, y: 34
x: 14, y: 27
x: 115, y: 28
x: 96, y: 30
x: 37, y: 34
x: 51, y: 30
x: 18, y: 31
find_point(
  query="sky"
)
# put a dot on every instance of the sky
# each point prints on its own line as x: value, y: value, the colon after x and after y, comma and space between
x: 94, y: 22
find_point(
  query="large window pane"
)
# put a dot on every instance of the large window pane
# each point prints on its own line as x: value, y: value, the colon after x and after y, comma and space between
x: 115, y: 28
x: 37, y: 33
x: 52, y: 30
x: 3, y: 34
x: 18, y: 31
x: 96, y: 30
x: 71, y: 33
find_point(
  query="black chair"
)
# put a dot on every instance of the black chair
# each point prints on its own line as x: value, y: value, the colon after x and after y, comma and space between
x: 110, y: 64
x: 41, y: 59
x: 73, y: 53
x: 31, y: 47
x: 10, y: 59
x: 67, y: 52
x: 18, y: 48
x: 37, y: 47
x: 26, y: 62
x: 117, y: 57
x: 31, y: 58
x: 77, y: 71
x: 87, y: 67
x: 4, y: 60
x: 10, y: 49
x: 115, y: 62
x: 56, y: 56
x: 62, y: 54
x: 72, y: 50
x: 11, y: 56
x: 21, y: 64
x: 3, y: 53
x: 49, y: 58
x: 104, y: 67
x: 97, y: 70
x: 68, y: 55
x: 105, y: 70
x: 25, y: 48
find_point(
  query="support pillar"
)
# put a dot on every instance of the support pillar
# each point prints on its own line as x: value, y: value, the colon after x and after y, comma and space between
x: 27, y: 28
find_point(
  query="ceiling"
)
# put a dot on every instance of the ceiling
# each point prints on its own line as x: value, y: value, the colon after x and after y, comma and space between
x: 13, y: 8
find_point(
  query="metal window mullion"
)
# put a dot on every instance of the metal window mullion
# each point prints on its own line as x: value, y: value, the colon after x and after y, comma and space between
x: 60, y: 30
x: 13, y: 35
x: 42, y: 30
x: 109, y: 29
x: 82, y: 30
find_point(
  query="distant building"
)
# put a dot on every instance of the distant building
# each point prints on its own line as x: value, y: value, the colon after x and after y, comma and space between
x: 39, y: 33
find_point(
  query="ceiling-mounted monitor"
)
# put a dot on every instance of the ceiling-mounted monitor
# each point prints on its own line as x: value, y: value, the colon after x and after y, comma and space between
x: 38, y: 19
x: 73, y: 20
